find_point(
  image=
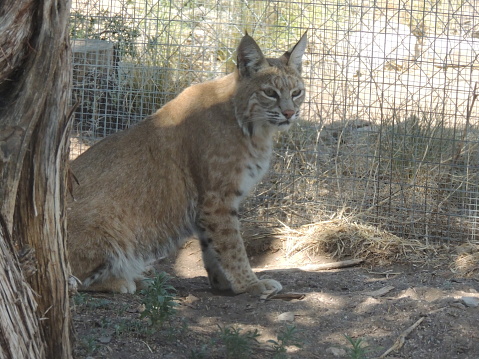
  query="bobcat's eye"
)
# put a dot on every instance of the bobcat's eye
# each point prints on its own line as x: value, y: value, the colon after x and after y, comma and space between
x: 271, y: 93
x: 296, y: 93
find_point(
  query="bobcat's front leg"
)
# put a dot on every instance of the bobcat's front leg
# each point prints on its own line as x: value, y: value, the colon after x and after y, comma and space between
x: 224, y: 253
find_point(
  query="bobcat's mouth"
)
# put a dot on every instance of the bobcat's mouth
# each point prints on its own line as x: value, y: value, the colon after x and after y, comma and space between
x: 280, y: 120
x: 282, y: 123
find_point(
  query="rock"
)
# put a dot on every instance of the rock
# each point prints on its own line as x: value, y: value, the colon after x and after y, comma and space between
x: 286, y: 317
x: 337, y: 352
x: 458, y: 305
x: 367, y: 305
x: 380, y: 292
x: 105, y: 339
x: 190, y: 300
x: 470, y: 301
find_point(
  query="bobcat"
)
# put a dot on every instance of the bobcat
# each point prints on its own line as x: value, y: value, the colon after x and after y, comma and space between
x: 183, y: 171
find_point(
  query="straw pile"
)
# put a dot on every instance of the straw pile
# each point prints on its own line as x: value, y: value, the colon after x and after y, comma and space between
x: 466, y: 262
x: 341, y: 239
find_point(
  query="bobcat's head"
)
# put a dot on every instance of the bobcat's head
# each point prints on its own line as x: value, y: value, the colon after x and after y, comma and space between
x: 270, y: 91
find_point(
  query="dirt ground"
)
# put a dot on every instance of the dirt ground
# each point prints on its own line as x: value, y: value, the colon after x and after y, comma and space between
x: 374, y: 306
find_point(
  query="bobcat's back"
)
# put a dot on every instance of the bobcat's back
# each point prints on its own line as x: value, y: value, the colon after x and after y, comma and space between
x: 183, y: 171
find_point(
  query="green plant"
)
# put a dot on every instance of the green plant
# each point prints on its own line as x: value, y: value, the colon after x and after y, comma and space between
x: 103, y: 25
x: 127, y: 325
x: 98, y: 303
x: 358, y: 351
x: 105, y: 322
x: 201, y: 353
x: 81, y: 298
x: 176, y: 329
x: 159, y: 300
x: 287, y: 336
x: 90, y: 344
x: 85, y: 299
x: 237, y: 344
x: 120, y: 309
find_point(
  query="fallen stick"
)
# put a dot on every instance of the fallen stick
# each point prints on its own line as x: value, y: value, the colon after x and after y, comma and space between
x: 380, y: 292
x: 401, y: 339
x: 288, y: 296
x: 272, y: 294
x: 322, y: 266
x: 386, y: 274
x: 332, y: 265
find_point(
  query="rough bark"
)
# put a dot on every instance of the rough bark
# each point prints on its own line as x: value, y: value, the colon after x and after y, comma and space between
x: 34, y: 93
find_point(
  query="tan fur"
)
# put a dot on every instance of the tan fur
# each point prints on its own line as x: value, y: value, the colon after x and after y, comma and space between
x: 183, y: 171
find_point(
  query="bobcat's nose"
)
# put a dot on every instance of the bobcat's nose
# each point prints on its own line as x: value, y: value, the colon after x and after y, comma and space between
x: 288, y: 114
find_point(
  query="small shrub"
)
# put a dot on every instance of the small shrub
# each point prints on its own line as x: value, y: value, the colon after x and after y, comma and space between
x: 201, y: 353
x: 176, y: 329
x: 237, y: 344
x: 81, y: 298
x: 127, y: 325
x: 357, y: 351
x: 85, y: 299
x: 89, y: 344
x: 99, y: 303
x: 287, y: 336
x: 159, y: 300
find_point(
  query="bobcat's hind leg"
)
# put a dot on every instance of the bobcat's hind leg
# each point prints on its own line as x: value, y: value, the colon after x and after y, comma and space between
x: 224, y: 253
x: 113, y: 275
x: 112, y: 285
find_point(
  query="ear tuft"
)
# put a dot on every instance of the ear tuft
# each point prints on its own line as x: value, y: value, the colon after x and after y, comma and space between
x: 250, y: 58
x: 294, y: 57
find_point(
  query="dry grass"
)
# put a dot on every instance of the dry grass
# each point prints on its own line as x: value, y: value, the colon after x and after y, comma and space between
x: 416, y: 178
x: 343, y: 238
x: 382, y: 192
x: 466, y: 262
x: 77, y: 147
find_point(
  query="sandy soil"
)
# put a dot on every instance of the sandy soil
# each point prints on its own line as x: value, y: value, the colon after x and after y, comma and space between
x: 372, y: 305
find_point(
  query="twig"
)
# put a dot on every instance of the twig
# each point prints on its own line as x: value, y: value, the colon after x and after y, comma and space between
x: 151, y: 351
x: 288, y: 296
x: 386, y: 273
x: 401, y: 339
x: 322, y: 266
x: 380, y: 292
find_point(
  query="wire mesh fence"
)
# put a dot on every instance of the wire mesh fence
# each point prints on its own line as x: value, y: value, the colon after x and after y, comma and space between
x: 389, y: 134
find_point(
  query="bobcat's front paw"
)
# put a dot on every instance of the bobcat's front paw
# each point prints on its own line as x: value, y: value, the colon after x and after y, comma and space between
x: 264, y: 285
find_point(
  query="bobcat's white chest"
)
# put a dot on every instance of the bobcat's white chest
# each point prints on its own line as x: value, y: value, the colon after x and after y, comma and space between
x: 254, y: 168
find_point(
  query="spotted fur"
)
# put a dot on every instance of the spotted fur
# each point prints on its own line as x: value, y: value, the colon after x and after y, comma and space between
x: 183, y: 171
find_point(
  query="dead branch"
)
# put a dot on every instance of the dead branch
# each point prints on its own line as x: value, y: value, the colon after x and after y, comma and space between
x: 321, y: 266
x: 402, y: 338
x: 380, y: 292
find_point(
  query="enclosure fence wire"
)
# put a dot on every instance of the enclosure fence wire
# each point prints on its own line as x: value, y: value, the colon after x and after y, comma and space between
x: 389, y: 134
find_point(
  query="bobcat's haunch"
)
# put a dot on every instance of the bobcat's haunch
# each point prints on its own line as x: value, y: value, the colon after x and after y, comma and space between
x: 183, y: 171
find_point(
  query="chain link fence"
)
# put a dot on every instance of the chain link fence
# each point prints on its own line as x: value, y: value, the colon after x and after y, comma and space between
x: 390, y: 131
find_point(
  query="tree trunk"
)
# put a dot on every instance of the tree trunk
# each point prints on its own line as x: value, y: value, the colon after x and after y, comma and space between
x: 34, y: 93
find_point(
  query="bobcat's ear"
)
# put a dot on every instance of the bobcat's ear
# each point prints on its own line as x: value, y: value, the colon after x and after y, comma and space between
x: 294, y: 56
x: 250, y: 58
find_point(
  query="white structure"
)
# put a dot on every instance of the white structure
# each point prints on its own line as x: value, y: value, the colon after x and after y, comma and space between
x: 376, y: 44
